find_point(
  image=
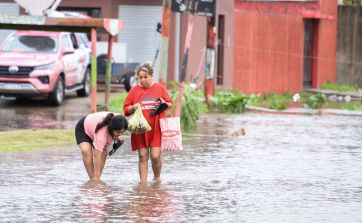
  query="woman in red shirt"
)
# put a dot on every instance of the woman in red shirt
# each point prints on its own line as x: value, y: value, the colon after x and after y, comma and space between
x: 145, y: 95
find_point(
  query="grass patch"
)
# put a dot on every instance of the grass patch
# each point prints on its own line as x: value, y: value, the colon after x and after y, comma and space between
x: 272, y: 101
x: 336, y: 87
x: 116, y: 102
x: 29, y: 140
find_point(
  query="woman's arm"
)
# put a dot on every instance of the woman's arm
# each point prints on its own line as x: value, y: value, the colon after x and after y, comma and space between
x: 129, y: 105
x: 166, y: 98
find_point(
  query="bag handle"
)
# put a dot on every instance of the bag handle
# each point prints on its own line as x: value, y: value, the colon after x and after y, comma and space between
x: 172, y: 112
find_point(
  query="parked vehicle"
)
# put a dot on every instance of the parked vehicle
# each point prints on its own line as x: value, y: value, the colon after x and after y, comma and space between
x: 122, y: 73
x: 47, y: 64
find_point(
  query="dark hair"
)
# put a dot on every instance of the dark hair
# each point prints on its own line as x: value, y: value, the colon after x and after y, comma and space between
x: 114, y: 123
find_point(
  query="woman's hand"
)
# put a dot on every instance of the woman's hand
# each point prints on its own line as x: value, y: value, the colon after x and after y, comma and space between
x: 161, y: 101
x: 133, y: 108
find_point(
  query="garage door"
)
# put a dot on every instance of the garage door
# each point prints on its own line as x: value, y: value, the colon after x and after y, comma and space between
x: 139, y: 33
x: 7, y: 9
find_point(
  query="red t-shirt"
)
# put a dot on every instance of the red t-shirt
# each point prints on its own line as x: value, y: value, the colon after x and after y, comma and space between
x: 147, y: 97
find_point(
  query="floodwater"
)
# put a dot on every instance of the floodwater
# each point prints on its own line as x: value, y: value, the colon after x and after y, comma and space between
x: 37, y: 114
x: 287, y: 168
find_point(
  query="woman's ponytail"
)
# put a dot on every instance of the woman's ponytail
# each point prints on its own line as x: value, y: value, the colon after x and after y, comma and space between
x: 106, y: 122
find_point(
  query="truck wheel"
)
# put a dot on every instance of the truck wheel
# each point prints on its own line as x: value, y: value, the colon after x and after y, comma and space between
x: 56, y: 98
x: 102, y: 63
x: 85, y: 91
x: 130, y: 80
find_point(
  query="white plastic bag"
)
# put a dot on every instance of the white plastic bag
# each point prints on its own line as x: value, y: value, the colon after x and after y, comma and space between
x: 138, y: 123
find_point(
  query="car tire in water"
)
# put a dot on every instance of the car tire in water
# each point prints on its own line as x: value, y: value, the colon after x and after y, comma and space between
x: 56, y: 98
x: 85, y: 91
x: 130, y: 80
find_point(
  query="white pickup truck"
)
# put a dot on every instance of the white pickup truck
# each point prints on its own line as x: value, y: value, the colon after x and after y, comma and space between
x: 46, y: 64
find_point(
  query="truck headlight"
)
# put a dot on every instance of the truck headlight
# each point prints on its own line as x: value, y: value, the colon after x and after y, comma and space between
x: 44, y: 67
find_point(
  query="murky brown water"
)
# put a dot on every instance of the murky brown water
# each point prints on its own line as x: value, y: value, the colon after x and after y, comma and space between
x: 287, y: 168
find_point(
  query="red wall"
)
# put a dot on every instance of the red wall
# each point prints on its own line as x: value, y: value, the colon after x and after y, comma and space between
x: 327, y: 43
x: 269, y: 45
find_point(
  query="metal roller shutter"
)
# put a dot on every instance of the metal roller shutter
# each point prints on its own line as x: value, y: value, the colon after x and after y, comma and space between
x: 7, y: 9
x: 139, y: 33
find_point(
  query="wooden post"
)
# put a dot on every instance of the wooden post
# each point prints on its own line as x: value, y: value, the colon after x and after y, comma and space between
x: 94, y: 70
x: 108, y: 71
x: 184, y: 62
x: 165, y: 33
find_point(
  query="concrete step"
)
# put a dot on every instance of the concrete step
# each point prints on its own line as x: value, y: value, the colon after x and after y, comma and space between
x: 355, y: 96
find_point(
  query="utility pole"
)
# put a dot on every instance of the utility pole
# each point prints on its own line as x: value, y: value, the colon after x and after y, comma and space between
x: 190, y: 25
x: 165, y: 33
x: 201, y: 8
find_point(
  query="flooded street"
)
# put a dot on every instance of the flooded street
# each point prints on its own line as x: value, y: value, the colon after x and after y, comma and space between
x: 287, y: 168
x: 37, y: 114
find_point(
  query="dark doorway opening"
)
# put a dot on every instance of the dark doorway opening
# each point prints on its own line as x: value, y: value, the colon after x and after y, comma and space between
x: 310, y: 53
x: 220, y: 50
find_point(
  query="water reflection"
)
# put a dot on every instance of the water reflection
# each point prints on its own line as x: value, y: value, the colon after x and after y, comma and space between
x: 95, y: 202
x: 98, y: 201
x: 37, y: 114
x: 151, y: 203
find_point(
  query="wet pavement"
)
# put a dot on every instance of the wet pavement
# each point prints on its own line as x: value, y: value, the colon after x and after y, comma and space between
x: 37, y: 114
x: 287, y: 168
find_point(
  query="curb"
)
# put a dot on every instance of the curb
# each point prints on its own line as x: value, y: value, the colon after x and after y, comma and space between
x: 305, y: 111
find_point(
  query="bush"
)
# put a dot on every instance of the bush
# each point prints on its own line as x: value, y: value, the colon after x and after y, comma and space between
x: 316, y: 101
x: 193, y: 103
x: 278, y: 102
x: 230, y: 102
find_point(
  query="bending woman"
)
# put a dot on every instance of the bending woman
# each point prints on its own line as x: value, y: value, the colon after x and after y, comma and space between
x: 94, y: 133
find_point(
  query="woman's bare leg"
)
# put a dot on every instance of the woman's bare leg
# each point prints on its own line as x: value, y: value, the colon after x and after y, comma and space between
x: 98, y: 164
x: 104, y: 157
x: 156, y: 162
x: 143, y: 155
x: 87, y: 156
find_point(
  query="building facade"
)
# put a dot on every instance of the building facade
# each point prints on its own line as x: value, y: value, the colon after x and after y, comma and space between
x: 260, y: 46
x: 284, y: 46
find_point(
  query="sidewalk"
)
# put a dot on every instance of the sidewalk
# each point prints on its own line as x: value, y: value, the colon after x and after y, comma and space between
x: 305, y: 111
x: 309, y: 111
x: 354, y: 96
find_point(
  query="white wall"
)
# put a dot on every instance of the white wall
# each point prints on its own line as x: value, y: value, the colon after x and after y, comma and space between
x: 7, y: 9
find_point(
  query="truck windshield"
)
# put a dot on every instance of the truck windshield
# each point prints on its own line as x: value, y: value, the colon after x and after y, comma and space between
x: 37, y: 44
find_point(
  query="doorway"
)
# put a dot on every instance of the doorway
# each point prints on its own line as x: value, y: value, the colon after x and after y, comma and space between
x: 220, y: 50
x: 310, y: 52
